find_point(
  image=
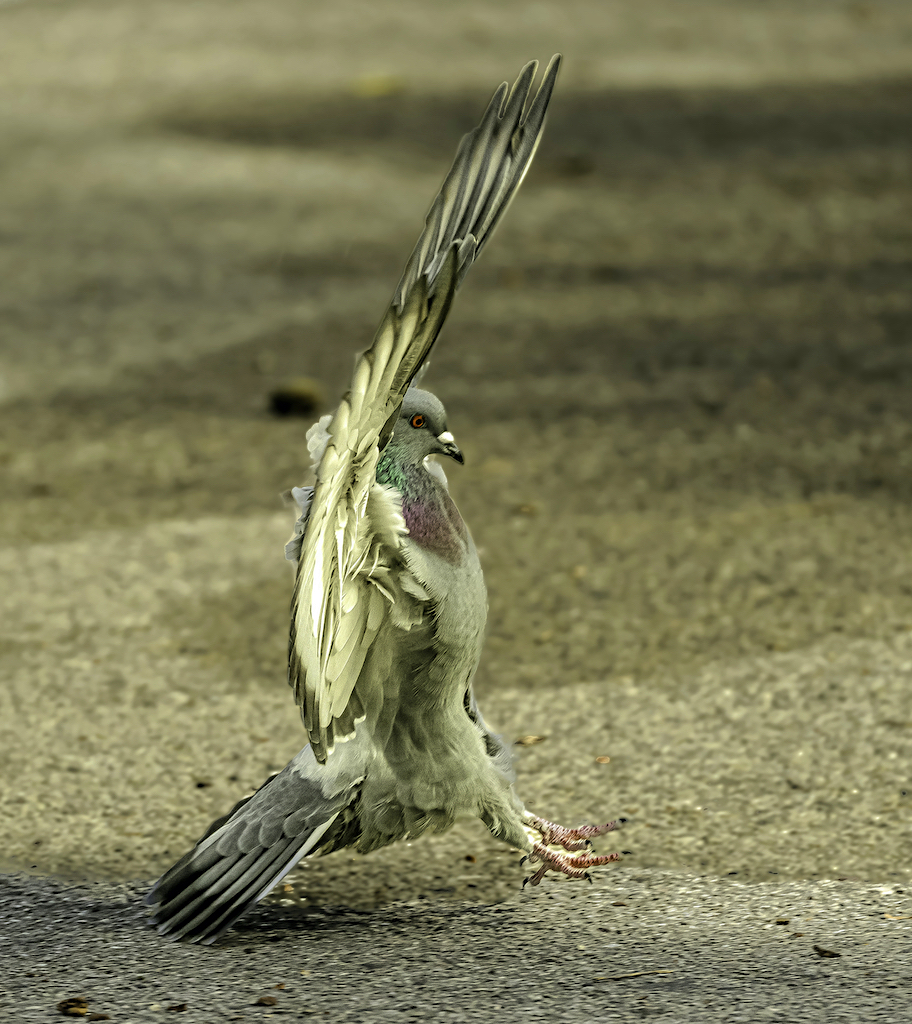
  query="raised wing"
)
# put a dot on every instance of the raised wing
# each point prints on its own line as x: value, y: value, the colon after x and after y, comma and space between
x: 349, y: 586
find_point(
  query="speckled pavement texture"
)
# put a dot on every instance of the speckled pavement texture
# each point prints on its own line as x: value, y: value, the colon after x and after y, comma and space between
x: 681, y: 377
x: 658, y: 945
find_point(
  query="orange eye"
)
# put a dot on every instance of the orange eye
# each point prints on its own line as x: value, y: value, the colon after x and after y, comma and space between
x: 417, y: 420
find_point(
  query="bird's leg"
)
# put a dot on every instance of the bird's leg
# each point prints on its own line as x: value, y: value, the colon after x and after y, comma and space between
x: 545, y: 836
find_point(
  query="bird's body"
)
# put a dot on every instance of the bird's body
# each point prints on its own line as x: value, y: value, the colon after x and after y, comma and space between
x: 389, y: 608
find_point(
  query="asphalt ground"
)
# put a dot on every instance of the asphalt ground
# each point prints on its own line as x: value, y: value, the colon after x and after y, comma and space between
x: 653, y: 945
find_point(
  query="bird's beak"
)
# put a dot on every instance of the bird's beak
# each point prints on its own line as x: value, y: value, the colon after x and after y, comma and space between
x: 448, y: 444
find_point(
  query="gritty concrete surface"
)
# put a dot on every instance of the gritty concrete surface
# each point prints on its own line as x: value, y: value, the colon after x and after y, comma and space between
x: 681, y: 377
x: 646, y: 946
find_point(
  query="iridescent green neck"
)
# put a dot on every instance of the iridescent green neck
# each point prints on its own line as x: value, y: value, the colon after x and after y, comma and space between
x: 410, y: 481
x: 432, y: 519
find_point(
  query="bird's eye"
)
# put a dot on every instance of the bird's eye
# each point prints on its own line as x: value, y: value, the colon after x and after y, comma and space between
x: 417, y: 420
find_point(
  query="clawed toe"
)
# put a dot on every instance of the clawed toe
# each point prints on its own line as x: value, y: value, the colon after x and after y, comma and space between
x: 571, y: 839
x: 576, y: 843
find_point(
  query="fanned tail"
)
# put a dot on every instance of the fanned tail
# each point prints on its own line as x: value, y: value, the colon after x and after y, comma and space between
x: 247, y: 852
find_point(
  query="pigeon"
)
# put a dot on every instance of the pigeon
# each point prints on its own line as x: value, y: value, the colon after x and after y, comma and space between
x: 389, y: 604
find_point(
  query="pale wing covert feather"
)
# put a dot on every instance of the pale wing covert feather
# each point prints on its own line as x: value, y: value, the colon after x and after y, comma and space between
x: 351, y: 583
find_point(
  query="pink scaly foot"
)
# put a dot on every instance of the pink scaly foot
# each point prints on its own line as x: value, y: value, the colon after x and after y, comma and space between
x: 571, y: 838
x: 573, y: 863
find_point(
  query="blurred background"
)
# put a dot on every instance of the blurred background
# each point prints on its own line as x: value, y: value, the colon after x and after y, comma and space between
x: 680, y: 373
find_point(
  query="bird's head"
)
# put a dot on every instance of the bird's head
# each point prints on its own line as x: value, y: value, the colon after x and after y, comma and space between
x: 421, y: 429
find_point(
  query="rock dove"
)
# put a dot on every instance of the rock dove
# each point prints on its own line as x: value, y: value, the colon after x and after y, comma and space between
x: 389, y: 604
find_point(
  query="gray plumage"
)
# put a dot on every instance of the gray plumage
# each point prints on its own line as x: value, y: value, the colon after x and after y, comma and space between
x: 389, y: 602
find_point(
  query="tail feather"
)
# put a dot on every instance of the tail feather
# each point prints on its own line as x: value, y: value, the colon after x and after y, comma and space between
x: 197, y: 909
x: 215, y: 900
x: 244, y: 854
